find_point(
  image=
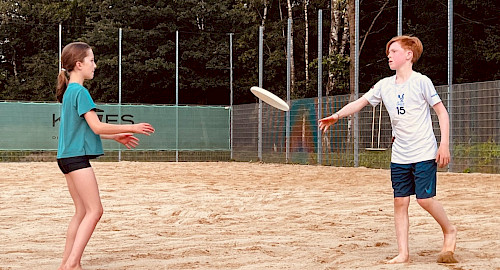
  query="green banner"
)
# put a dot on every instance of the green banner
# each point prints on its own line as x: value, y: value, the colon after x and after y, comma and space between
x: 35, y: 126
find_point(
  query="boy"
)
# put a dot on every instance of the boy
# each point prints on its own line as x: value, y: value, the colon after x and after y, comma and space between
x: 415, y: 155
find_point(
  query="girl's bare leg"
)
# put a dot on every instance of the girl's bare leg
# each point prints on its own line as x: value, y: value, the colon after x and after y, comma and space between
x: 75, y: 220
x: 85, y: 186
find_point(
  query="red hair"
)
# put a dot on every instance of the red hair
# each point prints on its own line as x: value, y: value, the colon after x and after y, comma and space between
x: 408, y: 43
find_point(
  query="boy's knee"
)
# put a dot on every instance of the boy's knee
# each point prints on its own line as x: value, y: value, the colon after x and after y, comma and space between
x: 401, y: 201
x: 425, y: 203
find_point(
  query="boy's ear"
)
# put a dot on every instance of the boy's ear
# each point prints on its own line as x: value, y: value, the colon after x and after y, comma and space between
x: 409, y: 55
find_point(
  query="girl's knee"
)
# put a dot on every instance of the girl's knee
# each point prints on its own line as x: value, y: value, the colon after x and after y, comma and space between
x: 99, y: 212
x: 80, y: 214
x: 95, y: 213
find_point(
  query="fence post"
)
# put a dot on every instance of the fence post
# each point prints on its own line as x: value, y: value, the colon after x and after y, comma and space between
x: 231, y: 90
x: 320, y: 89
x: 450, y: 79
x: 176, y: 96
x: 119, y: 87
x: 261, y: 67
x: 356, y: 84
x: 288, y: 67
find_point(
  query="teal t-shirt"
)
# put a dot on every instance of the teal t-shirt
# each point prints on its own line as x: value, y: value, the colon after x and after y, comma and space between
x: 76, y: 138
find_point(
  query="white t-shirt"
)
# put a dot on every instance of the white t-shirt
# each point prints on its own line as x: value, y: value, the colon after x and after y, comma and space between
x: 408, y: 107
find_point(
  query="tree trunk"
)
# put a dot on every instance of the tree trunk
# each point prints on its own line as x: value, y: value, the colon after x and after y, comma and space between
x: 264, y: 17
x: 345, y: 34
x: 306, y: 43
x: 333, y: 44
x: 351, y: 15
x: 292, y: 65
x: 352, y: 20
x: 14, y: 65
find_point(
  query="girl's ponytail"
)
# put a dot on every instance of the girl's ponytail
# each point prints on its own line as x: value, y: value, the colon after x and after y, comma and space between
x: 62, y: 84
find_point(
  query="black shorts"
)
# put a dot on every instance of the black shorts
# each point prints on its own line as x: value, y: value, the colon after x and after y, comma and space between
x: 71, y: 164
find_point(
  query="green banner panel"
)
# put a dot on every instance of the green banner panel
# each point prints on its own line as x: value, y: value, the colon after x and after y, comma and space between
x: 35, y: 126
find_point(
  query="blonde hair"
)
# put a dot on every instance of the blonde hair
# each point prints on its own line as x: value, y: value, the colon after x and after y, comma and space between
x: 72, y: 53
x: 408, y: 43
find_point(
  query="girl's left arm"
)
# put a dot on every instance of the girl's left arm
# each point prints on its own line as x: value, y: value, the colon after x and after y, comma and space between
x: 127, y: 139
x: 443, y: 154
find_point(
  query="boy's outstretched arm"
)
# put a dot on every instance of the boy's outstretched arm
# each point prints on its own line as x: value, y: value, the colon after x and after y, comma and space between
x: 443, y: 154
x: 348, y: 109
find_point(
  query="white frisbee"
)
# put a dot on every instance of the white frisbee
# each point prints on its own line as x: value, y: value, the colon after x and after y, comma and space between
x: 270, y: 98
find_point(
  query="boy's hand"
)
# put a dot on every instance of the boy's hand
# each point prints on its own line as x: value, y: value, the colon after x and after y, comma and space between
x: 127, y: 139
x: 443, y: 156
x: 328, y: 121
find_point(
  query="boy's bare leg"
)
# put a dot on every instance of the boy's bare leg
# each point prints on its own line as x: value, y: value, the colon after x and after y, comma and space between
x: 402, y: 223
x: 435, y: 208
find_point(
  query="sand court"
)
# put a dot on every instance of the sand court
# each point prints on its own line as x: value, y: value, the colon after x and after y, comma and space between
x: 234, y: 215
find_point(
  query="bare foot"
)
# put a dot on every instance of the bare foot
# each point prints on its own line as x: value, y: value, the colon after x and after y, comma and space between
x: 78, y: 267
x: 446, y: 257
x: 450, y: 240
x: 399, y: 259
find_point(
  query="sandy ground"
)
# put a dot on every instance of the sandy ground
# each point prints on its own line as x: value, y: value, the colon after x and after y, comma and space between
x: 241, y: 216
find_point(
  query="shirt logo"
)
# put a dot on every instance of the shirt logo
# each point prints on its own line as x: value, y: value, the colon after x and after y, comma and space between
x: 401, y: 101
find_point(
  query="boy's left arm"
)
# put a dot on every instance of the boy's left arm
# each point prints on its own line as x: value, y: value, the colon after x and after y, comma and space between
x: 443, y: 154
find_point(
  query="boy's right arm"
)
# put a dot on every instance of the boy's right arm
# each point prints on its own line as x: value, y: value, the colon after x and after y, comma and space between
x: 101, y: 128
x: 348, y: 109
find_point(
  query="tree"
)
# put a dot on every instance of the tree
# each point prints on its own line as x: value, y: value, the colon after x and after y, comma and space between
x: 29, y: 45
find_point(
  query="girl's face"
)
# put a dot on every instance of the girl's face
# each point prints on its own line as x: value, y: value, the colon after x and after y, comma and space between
x: 398, y: 56
x: 88, y: 65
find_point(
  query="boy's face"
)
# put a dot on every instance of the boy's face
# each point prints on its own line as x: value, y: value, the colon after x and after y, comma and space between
x: 398, y: 56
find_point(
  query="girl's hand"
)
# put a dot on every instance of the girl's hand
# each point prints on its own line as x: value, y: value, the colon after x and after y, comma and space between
x: 143, y: 128
x: 328, y: 121
x: 127, y: 139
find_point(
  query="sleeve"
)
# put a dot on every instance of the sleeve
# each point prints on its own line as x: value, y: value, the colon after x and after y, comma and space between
x: 374, y: 95
x: 84, y: 102
x: 429, y: 91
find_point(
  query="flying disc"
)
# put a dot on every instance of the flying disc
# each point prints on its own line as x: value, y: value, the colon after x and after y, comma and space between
x: 270, y: 98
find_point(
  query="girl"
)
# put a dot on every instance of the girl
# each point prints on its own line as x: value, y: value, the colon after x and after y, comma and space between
x: 80, y: 136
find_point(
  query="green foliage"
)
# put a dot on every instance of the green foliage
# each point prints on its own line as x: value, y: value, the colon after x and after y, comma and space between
x: 375, y: 159
x: 29, y: 46
x: 338, y: 65
x: 478, y: 157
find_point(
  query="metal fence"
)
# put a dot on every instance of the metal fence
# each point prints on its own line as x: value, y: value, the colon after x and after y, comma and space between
x: 474, y: 115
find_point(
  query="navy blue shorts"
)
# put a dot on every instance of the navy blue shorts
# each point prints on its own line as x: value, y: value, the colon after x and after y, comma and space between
x: 415, y: 178
x: 71, y: 164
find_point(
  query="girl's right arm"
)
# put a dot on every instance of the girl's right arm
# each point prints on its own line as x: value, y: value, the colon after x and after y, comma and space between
x: 101, y: 128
